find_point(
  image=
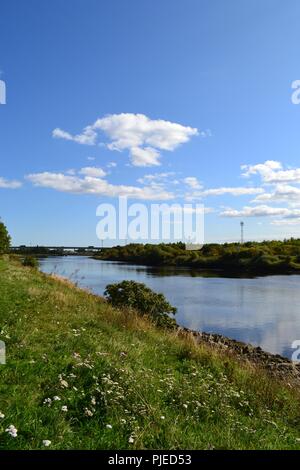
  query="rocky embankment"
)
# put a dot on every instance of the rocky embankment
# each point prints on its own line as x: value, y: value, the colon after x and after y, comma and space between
x: 277, y: 365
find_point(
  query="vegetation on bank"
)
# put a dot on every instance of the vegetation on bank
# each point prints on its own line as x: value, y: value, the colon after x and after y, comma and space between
x: 145, y: 301
x: 268, y: 257
x: 82, y: 374
x: 4, y: 239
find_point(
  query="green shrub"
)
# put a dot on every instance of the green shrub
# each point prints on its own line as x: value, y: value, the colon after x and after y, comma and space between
x: 30, y: 261
x: 4, y: 239
x: 139, y: 297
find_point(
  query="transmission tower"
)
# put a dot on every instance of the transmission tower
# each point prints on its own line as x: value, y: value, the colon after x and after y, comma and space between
x: 242, y: 233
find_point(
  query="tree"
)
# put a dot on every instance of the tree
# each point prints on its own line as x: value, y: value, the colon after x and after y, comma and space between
x: 4, y: 239
x: 139, y: 297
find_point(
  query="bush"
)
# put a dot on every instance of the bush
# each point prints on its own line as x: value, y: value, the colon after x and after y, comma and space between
x: 139, y: 297
x: 4, y: 239
x: 30, y: 261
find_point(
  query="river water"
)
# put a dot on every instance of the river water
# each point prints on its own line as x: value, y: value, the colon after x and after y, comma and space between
x: 264, y: 311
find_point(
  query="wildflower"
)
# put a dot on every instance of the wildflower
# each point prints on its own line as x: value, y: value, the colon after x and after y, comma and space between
x: 131, y: 440
x: 64, y: 408
x: 162, y: 417
x: 185, y: 405
x: 93, y: 401
x: 109, y: 426
x: 56, y: 398
x: 88, y: 412
x: 123, y: 421
x: 46, y: 443
x: 47, y: 401
x: 64, y: 383
x: 12, y: 431
x: 2, y: 415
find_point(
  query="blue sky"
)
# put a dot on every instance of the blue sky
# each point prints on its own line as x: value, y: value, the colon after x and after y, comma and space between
x: 185, y: 91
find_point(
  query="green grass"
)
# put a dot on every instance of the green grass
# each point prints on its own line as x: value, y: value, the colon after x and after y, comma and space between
x: 154, y: 389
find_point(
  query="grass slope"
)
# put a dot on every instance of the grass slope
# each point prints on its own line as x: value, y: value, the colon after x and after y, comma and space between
x: 125, y: 383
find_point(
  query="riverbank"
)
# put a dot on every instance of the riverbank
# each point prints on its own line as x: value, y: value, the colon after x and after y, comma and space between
x: 276, y: 365
x: 84, y: 375
x: 251, y: 258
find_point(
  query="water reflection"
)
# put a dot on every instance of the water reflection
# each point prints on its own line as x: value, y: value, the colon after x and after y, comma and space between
x: 263, y: 311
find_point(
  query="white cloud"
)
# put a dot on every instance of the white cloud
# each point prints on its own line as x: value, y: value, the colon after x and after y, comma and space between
x: 192, y: 182
x: 88, y: 136
x: 262, y: 168
x: 9, y: 184
x: 156, y: 177
x: 235, y: 191
x: 272, y: 172
x: 111, y: 165
x: 281, y: 222
x: 142, y: 136
x: 92, y: 171
x: 94, y: 185
x: 281, y: 193
x: 261, y: 211
x: 144, y: 156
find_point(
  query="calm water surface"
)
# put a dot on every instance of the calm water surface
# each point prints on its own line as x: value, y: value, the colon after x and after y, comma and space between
x: 263, y: 311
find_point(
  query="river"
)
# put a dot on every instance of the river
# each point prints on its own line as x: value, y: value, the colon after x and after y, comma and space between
x: 264, y: 311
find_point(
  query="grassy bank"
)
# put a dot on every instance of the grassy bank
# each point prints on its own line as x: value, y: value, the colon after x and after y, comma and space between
x: 268, y: 257
x: 119, y: 382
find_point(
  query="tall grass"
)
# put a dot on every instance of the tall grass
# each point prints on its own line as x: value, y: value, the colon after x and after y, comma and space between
x: 84, y: 375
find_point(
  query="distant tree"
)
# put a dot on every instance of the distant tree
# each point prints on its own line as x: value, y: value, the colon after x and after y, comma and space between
x: 139, y: 297
x: 4, y: 239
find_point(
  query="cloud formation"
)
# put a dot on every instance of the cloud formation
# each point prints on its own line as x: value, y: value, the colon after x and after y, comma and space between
x: 145, y: 138
x: 281, y: 193
x: 262, y: 211
x: 234, y: 191
x: 88, y: 184
x: 9, y: 184
x: 92, y: 171
x: 192, y: 182
x: 272, y: 172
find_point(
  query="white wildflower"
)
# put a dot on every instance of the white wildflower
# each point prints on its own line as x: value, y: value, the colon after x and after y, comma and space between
x: 64, y: 408
x: 109, y: 426
x: 46, y: 443
x: 131, y: 440
x: 11, y: 430
x: 56, y: 398
x: 88, y: 412
x: 185, y: 405
x: 2, y: 415
x: 162, y: 417
x: 64, y: 383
